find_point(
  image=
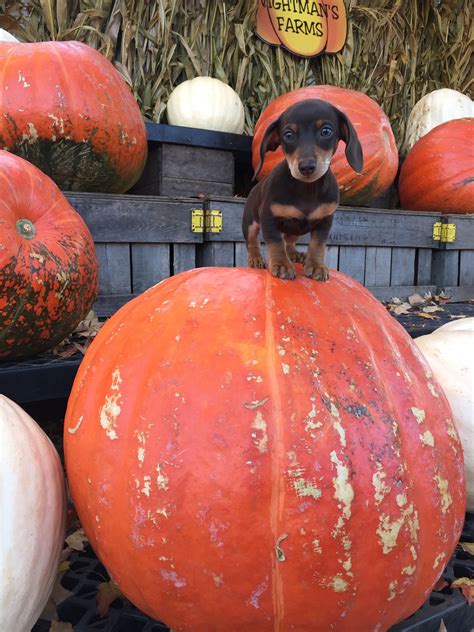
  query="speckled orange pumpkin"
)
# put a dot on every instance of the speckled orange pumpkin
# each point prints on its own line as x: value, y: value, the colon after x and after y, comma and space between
x: 48, y: 265
x: 66, y: 109
x: 247, y: 453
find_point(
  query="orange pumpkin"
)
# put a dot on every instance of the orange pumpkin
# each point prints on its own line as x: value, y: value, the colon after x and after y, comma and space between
x: 372, y: 127
x: 48, y: 265
x: 66, y: 109
x: 438, y: 172
x: 241, y: 450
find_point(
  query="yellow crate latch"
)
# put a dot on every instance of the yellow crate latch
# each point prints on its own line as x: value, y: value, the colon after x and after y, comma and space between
x: 208, y: 221
x: 445, y: 233
x: 197, y: 220
x: 213, y: 221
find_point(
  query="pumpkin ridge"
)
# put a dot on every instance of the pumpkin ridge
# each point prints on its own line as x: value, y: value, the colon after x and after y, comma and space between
x: 277, y: 456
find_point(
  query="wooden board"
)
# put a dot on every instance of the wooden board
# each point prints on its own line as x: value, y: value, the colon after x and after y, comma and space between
x: 133, y: 218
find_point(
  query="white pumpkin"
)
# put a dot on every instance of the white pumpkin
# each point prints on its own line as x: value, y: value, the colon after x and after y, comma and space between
x: 33, y: 517
x: 433, y: 109
x: 5, y: 36
x: 450, y: 353
x: 206, y: 103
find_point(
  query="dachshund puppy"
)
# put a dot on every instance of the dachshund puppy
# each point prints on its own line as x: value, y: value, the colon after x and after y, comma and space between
x: 301, y: 194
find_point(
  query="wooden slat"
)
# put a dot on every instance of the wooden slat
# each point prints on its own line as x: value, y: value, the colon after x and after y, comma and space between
x: 197, y: 163
x: 466, y: 267
x: 217, y: 254
x: 173, y: 187
x: 150, y: 264
x: 332, y: 257
x: 105, y: 306
x: 351, y: 227
x: 460, y: 294
x: 464, y: 231
x: 377, y: 266
x: 136, y: 218
x: 240, y: 255
x: 184, y: 257
x: 352, y: 262
x: 445, y: 268
x: 114, y: 268
x: 423, y: 266
x: 403, y: 266
x: 386, y: 293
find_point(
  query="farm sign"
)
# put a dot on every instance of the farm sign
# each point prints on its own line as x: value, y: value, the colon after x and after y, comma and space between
x: 303, y: 27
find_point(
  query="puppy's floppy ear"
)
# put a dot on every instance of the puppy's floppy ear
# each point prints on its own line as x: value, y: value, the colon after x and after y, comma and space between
x: 270, y: 142
x: 353, y: 147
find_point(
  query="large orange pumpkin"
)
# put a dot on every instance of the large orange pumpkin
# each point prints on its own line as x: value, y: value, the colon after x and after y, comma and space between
x: 372, y: 127
x: 438, y: 172
x: 48, y: 265
x: 247, y: 453
x: 66, y: 109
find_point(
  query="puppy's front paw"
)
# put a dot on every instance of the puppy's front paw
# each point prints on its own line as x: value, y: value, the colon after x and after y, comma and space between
x: 257, y: 261
x: 318, y: 272
x: 297, y: 257
x: 282, y: 271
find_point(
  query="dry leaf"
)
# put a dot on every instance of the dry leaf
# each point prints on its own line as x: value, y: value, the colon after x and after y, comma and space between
x: 416, y: 299
x: 467, y: 588
x: 64, y: 566
x: 65, y: 554
x: 468, y: 547
x: 404, y: 308
x: 60, y: 626
x: 442, y: 627
x: 107, y: 592
x: 77, y: 540
x: 428, y: 309
x: 440, y: 584
x: 427, y: 316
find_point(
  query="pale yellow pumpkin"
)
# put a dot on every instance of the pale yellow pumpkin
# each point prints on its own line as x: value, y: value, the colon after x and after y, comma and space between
x: 33, y: 514
x: 450, y: 353
x: 206, y: 103
x: 433, y: 109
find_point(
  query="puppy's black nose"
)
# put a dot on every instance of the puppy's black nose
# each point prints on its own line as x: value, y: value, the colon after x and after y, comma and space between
x: 307, y: 167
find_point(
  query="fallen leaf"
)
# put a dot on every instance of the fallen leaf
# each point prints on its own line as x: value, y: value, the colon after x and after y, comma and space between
x: 468, y: 547
x: 471, y: 301
x: 427, y: 316
x: 404, y: 308
x: 467, y: 588
x: 64, y: 351
x: 442, y: 627
x: 395, y: 300
x: 65, y: 565
x: 440, y: 584
x: 60, y: 626
x: 107, y: 592
x: 432, y: 308
x: 416, y: 299
x: 77, y: 540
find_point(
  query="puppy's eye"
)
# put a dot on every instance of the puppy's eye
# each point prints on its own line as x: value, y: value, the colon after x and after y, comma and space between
x: 288, y: 135
x: 326, y: 131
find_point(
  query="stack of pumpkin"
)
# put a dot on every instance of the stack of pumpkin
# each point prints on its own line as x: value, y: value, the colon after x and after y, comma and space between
x: 285, y: 461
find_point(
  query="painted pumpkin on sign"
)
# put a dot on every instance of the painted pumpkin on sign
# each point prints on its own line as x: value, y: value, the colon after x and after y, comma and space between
x: 275, y: 440
x: 66, y: 109
x: 372, y: 127
x: 48, y: 265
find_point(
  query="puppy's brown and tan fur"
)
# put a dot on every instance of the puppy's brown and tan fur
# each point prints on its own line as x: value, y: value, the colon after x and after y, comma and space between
x: 301, y: 194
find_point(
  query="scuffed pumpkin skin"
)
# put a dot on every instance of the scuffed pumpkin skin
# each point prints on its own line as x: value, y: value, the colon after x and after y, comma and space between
x: 373, y: 129
x: 64, y: 107
x: 247, y: 453
x: 47, y: 282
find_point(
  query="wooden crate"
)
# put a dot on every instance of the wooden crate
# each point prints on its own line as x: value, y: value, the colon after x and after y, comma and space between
x: 453, y: 262
x: 140, y: 240
x: 390, y: 252
x: 190, y: 162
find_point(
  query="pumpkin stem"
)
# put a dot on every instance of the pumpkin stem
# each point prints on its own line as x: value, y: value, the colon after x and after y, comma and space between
x: 26, y: 228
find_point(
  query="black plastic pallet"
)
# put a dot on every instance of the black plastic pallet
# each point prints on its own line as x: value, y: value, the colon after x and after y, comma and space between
x: 86, y: 572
